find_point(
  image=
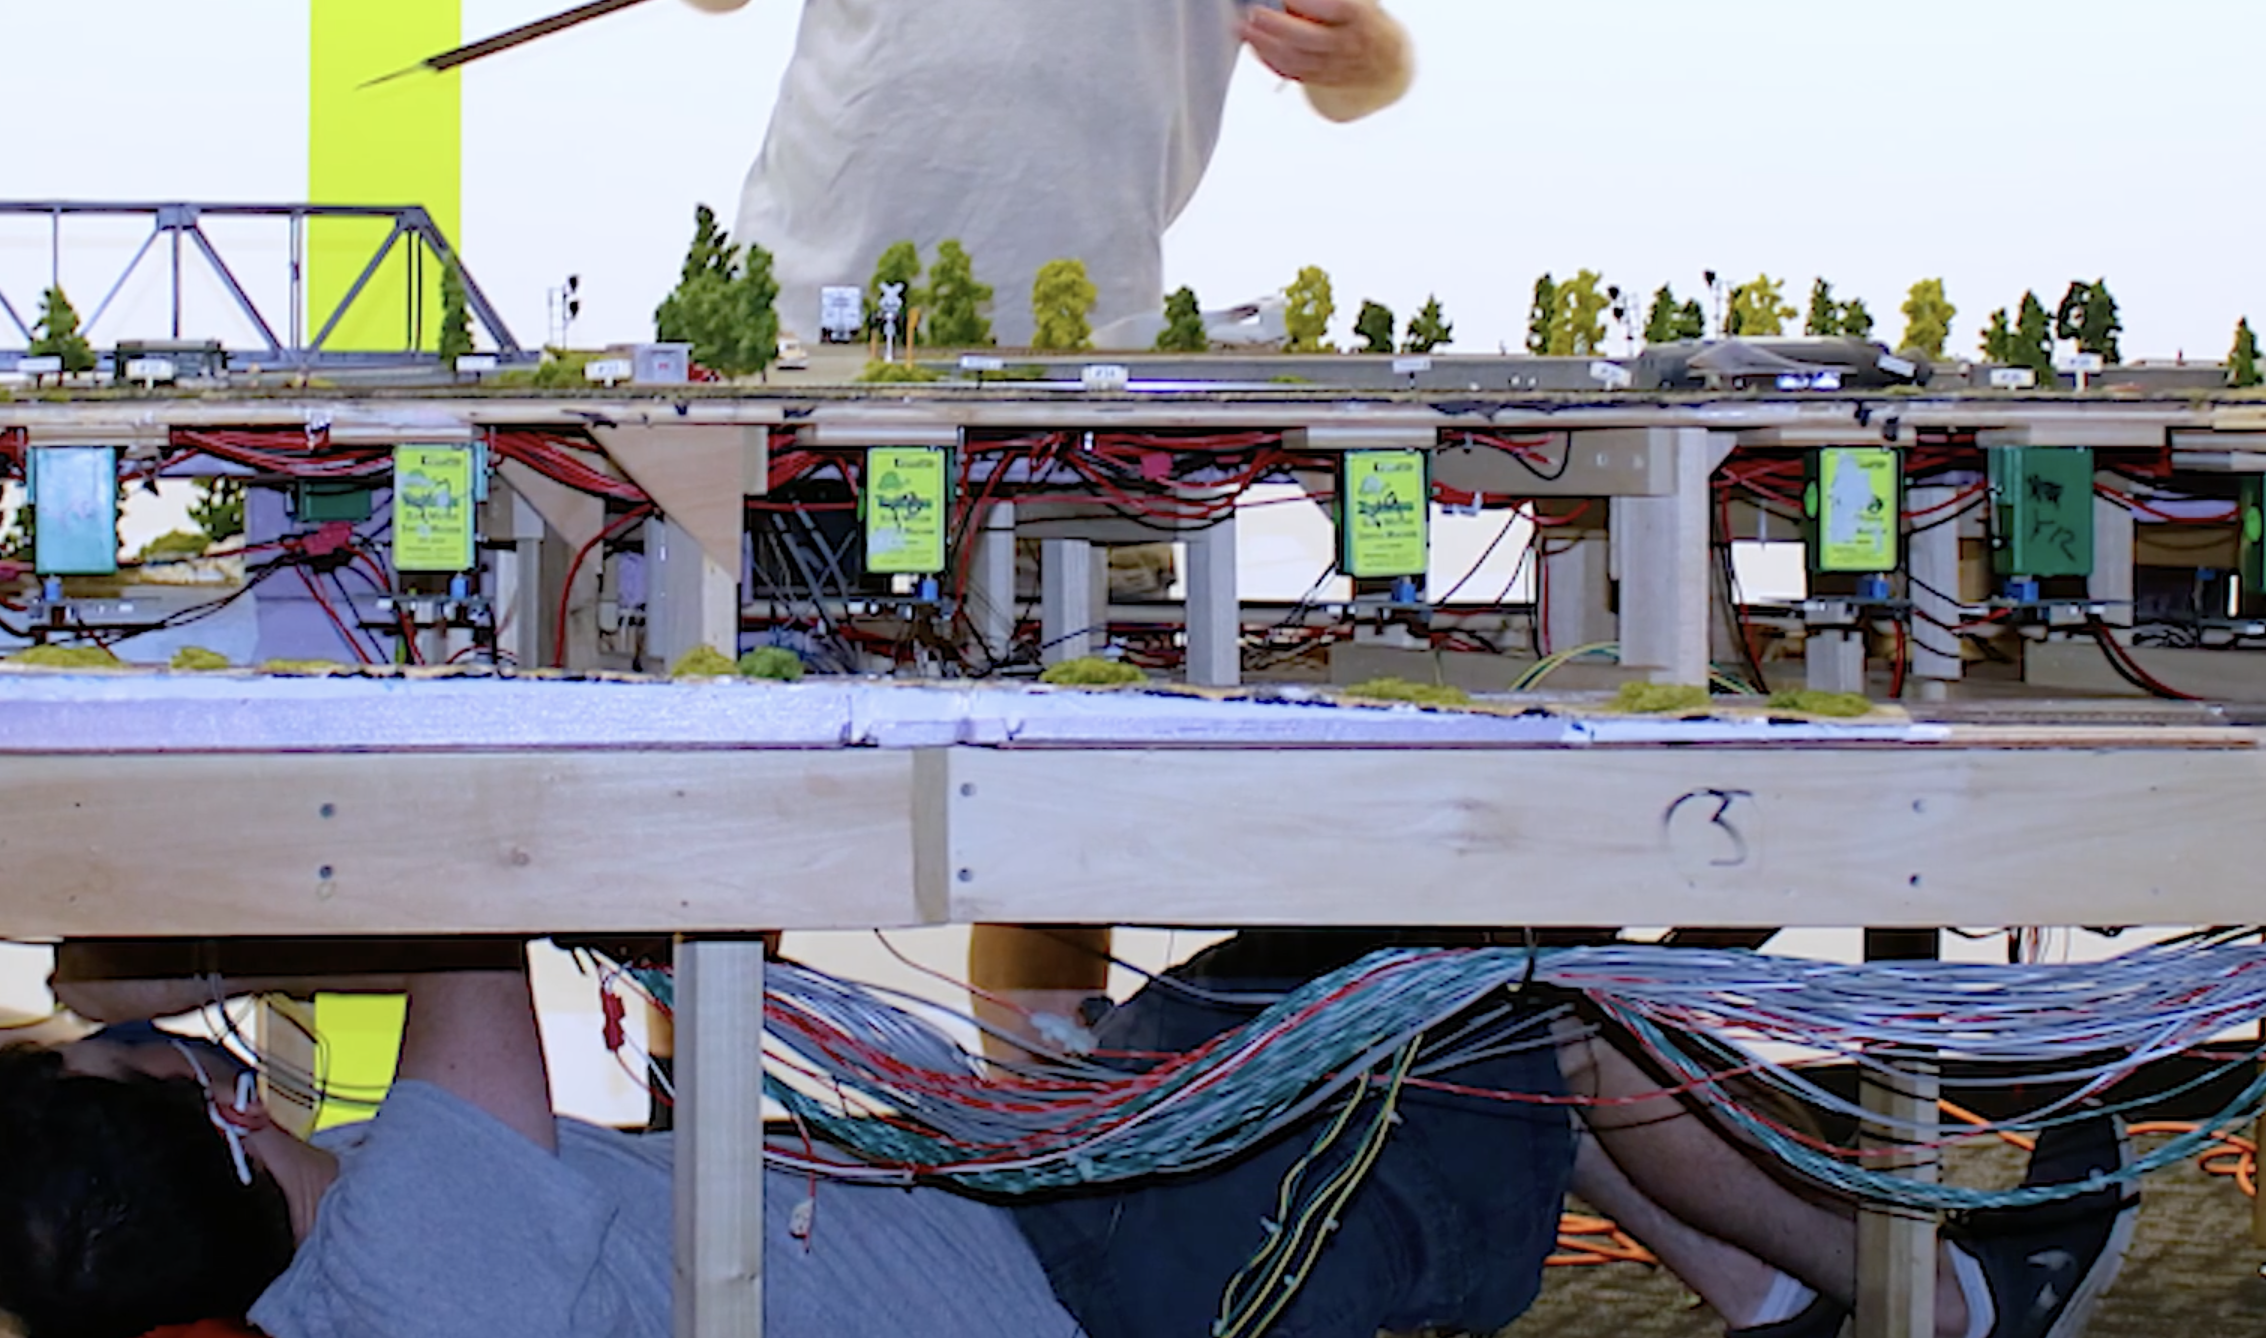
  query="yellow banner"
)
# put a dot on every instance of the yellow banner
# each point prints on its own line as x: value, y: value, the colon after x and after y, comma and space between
x: 399, y: 143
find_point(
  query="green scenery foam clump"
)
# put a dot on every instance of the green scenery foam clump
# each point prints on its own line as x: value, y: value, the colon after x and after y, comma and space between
x: 1092, y: 672
x: 1417, y: 694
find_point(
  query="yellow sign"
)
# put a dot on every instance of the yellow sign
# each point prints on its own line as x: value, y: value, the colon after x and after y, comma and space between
x: 1385, y: 514
x: 907, y: 505
x: 1857, y: 509
x: 432, y: 508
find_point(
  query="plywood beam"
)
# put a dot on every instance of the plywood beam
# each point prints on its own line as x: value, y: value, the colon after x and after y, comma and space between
x: 700, y: 477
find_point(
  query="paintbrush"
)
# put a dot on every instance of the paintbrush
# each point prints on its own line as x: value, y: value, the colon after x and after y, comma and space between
x: 520, y: 36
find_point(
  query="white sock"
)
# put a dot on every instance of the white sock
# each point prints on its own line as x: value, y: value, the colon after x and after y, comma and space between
x: 1981, y: 1314
x: 1787, y: 1298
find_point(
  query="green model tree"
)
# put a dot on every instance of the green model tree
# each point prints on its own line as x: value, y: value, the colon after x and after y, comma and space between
x: 1824, y: 318
x: 1430, y: 329
x: 456, y: 316
x: 1928, y: 314
x: 57, y: 333
x: 1856, y: 319
x: 1542, y: 316
x: 219, y: 508
x: 1183, y: 324
x: 2242, y: 360
x: 725, y: 303
x: 901, y: 263
x: 1577, y: 325
x: 1062, y: 304
x: 1669, y: 322
x: 1758, y: 308
x: 956, y: 301
x: 2088, y: 316
x: 1998, y: 338
x: 1312, y: 307
x: 2033, y: 342
x: 1376, y: 325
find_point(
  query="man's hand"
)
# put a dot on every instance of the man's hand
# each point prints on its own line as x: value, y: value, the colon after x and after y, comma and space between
x: 1351, y: 55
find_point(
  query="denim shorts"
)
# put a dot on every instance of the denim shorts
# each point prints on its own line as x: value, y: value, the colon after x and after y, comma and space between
x: 1448, y: 1231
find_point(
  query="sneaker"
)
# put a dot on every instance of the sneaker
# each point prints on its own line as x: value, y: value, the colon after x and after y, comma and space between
x: 2047, y: 1266
x: 1822, y: 1319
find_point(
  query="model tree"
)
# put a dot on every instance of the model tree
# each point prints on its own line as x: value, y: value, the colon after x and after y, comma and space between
x: 1928, y: 314
x: 1183, y: 324
x: 2033, y: 343
x: 1311, y: 307
x: 1542, y: 316
x: 456, y: 315
x: 725, y: 303
x: 1759, y: 308
x: 2088, y: 316
x: 58, y: 334
x: 1824, y: 319
x: 1375, y: 325
x: 900, y: 264
x: 1062, y: 305
x: 1856, y: 319
x: 1998, y: 338
x: 219, y: 508
x: 1430, y: 329
x: 2242, y: 360
x: 956, y: 301
x: 1577, y: 323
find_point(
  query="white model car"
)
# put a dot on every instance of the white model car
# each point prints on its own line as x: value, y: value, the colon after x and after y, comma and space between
x: 793, y: 357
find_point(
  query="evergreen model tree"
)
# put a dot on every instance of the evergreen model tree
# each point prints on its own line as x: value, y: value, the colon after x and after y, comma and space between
x: 1577, y: 324
x: 1183, y: 324
x: 1758, y: 308
x: 1856, y: 319
x: 725, y: 303
x: 1998, y: 338
x: 2242, y: 361
x: 1430, y: 329
x: 2088, y: 316
x: 956, y: 301
x: 1375, y: 325
x: 57, y: 331
x: 1542, y: 316
x: 1928, y: 314
x: 1661, y: 323
x: 456, y: 316
x: 219, y: 508
x: 900, y: 264
x: 1824, y: 319
x: 2033, y: 343
x: 1312, y: 307
x: 1062, y: 305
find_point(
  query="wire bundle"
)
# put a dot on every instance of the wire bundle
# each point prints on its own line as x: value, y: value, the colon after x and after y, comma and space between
x: 908, y: 1103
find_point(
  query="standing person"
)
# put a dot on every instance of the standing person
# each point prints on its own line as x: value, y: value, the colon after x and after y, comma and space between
x: 1029, y: 131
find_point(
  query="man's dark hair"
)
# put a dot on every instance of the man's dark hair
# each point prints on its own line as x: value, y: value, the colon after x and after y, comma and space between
x: 120, y: 1209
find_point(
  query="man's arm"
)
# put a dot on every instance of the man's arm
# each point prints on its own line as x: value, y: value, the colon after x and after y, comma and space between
x: 473, y: 1034
x: 1352, y: 57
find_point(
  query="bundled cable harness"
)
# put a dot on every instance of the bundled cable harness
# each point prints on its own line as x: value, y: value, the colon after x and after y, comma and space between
x: 905, y: 1102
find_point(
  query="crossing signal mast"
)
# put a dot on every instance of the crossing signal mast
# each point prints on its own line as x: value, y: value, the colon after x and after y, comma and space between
x: 565, y: 306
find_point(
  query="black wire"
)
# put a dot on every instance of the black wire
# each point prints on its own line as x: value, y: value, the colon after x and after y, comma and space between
x: 1565, y: 462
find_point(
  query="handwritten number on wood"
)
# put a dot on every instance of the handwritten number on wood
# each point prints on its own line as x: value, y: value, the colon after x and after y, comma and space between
x: 1719, y: 807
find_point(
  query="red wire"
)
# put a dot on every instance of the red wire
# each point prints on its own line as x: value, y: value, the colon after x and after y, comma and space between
x: 574, y: 568
x: 351, y: 640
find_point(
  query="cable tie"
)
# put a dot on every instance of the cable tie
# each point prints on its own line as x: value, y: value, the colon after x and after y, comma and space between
x: 1270, y: 1226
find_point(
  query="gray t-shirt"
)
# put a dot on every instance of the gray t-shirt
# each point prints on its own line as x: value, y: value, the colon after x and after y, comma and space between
x: 444, y: 1223
x: 1031, y: 130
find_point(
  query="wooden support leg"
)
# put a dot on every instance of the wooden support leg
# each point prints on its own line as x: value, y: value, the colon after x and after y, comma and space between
x: 1936, y: 661
x: 719, y: 1138
x: 1834, y: 660
x: 1896, y: 1251
x: 2112, y: 580
x: 1066, y: 600
x: 991, y: 583
x: 690, y: 599
x: 1580, y: 608
x: 1665, y: 586
x: 1215, y: 614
